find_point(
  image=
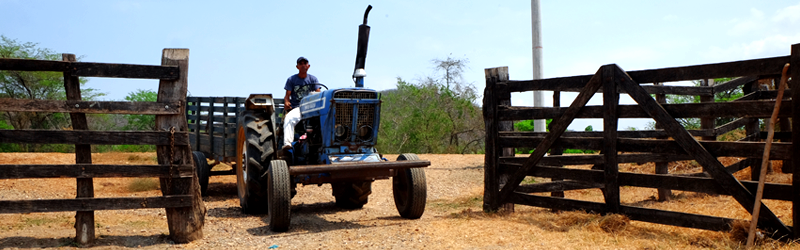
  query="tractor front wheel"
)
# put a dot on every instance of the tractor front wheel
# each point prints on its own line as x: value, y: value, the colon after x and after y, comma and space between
x: 410, y: 189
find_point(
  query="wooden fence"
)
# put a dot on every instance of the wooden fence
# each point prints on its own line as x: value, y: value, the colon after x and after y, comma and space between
x: 181, y: 195
x: 671, y: 142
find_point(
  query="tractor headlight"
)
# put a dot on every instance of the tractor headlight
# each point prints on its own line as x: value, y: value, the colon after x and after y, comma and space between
x: 365, y: 132
x: 341, y: 132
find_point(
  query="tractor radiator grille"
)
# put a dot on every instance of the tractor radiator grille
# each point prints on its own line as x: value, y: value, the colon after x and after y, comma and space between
x: 355, y: 95
x: 344, y: 117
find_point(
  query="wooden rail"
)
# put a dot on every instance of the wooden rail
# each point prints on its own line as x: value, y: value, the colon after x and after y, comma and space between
x: 181, y: 196
x: 669, y: 142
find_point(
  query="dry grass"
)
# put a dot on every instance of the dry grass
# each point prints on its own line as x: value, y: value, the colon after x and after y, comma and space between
x: 454, y: 218
x: 143, y: 184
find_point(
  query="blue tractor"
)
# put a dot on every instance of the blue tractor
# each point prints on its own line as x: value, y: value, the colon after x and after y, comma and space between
x: 335, y: 143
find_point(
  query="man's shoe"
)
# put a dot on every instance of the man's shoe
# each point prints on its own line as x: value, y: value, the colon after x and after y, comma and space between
x: 284, y: 154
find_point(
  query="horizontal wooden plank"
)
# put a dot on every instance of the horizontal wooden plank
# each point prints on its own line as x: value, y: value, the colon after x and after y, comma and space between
x: 677, y: 90
x: 635, y: 213
x: 90, y: 69
x: 734, y: 83
x: 738, y: 109
x: 764, y: 66
x: 92, y: 171
x: 591, y: 159
x: 92, y: 137
x: 94, y: 204
x: 779, y: 151
x: 556, y: 186
x: 733, y: 125
x: 621, y: 134
x: 675, y: 182
x: 90, y: 107
x: 679, y: 219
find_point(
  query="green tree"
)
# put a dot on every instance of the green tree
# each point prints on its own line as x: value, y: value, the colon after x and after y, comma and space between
x: 141, y: 122
x: 34, y: 85
x: 437, y: 114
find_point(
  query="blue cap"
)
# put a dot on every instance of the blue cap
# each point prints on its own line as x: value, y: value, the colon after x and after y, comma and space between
x: 302, y: 59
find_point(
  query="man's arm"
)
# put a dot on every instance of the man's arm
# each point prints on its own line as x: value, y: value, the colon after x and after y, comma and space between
x: 287, y: 105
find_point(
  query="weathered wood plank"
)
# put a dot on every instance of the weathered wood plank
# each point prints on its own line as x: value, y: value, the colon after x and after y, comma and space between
x: 566, y: 160
x: 765, y: 66
x: 84, y: 220
x: 610, y: 120
x: 738, y: 109
x: 556, y: 186
x: 622, y: 134
x: 557, y: 128
x: 779, y: 151
x: 634, y: 213
x: 668, y: 181
x: 90, y: 107
x: 695, y: 149
x: 794, y: 73
x: 734, y: 83
x: 728, y: 127
x: 8, y: 171
x: 92, y: 137
x: 677, y: 90
x: 185, y: 223
x: 91, y: 204
x: 90, y: 69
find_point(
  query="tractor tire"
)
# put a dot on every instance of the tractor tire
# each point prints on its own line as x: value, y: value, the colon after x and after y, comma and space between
x: 410, y: 189
x: 203, y: 171
x: 352, y: 195
x: 279, y: 195
x: 255, y: 146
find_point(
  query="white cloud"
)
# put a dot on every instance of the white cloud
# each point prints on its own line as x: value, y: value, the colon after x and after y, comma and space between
x: 752, y: 23
x: 789, y: 14
x: 775, y: 45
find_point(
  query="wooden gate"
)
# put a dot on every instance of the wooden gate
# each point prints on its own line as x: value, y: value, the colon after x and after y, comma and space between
x: 504, y: 172
x: 181, y: 195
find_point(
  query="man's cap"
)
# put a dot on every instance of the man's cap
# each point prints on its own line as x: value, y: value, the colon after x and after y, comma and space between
x: 302, y: 59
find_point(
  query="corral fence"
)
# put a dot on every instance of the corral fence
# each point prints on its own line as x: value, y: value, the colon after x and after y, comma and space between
x: 181, y: 196
x: 670, y: 142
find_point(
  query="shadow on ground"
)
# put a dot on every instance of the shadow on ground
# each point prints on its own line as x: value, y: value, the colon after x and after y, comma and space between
x: 109, y: 241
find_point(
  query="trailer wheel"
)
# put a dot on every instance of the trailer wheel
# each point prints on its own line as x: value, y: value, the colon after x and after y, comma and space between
x: 255, y: 145
x: 410, y: 189
x: 352, y: 195
x: 203, y: 171
x: 279, y: 195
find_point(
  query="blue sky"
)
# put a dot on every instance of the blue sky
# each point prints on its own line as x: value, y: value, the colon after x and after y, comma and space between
x: 243, y: 47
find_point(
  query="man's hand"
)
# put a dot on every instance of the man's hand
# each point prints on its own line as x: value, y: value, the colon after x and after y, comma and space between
x: 286, y: 104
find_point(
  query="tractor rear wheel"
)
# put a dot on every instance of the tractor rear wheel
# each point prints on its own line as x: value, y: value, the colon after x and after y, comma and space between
x: 410, y: 189
x: 279, y: 195
x: 255, y: 146
x: 203, y: 170
x: 352, y: 195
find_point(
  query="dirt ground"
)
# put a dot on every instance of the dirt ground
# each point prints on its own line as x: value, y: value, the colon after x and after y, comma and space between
x: 453, y: 218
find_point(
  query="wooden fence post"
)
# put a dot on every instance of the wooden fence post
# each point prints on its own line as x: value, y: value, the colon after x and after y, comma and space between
x: 185, y: 223
x: 662, y: 167
x: 794, y: 85
x: 494, y: 177
x: 84, y: 220
x: 610, y: 121
x: 557, y: 150
x: 707, y: 123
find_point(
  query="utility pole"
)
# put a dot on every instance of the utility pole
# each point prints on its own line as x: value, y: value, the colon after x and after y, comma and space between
x: 538, y: 96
